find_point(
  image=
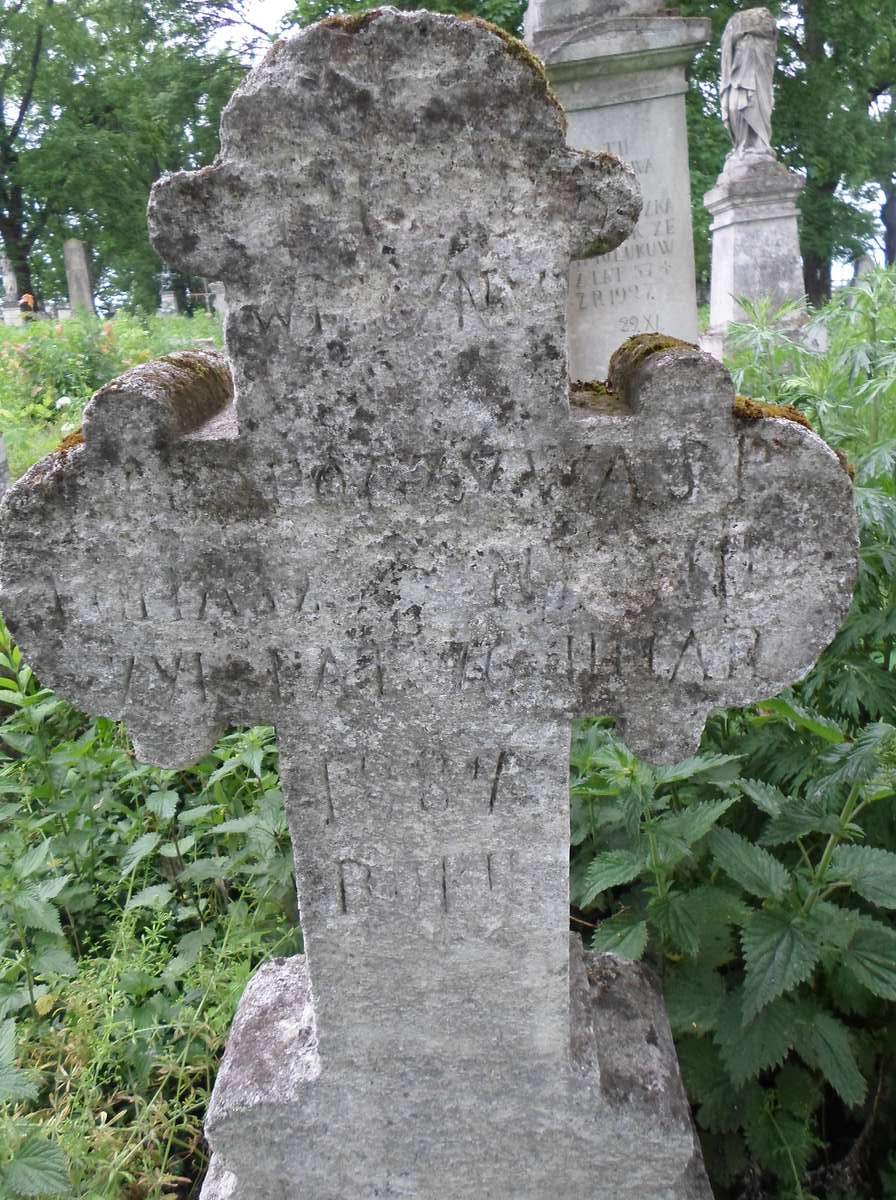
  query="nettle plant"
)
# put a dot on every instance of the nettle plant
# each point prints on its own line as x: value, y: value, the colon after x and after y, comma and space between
x: 770, y: 930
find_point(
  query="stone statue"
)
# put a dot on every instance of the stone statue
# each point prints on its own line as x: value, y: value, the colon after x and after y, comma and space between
x: 749, y: 46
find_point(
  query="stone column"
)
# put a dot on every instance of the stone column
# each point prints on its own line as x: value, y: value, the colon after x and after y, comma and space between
x: 618, y: 68
x: 77, y: 274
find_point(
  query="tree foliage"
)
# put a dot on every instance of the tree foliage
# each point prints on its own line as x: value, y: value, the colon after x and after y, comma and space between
x: 96, y: 101
x: 833, y: 123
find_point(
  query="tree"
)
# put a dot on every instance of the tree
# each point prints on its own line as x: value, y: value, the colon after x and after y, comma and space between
x: 96, y: 101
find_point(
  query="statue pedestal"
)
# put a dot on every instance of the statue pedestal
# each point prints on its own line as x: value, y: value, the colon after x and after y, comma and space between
x: 755, y: 240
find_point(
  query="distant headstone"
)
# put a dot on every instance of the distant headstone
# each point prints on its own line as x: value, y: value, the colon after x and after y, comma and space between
x: 10, y: 310
x: 402, y: 548
x: 77, y: 274
x: 754, y: 204
x: 218, y: 298
x: 618, y: 68
x: 168, y: 304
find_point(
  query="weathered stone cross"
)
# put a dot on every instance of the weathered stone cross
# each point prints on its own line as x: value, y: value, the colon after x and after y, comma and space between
x: 404, y: 550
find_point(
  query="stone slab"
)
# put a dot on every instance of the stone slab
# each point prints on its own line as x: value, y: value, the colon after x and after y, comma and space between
x: 621, y: 79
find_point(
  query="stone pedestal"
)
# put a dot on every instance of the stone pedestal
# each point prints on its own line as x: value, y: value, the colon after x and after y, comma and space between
x: 755, y: 240
x: 77, y: 274
x: 167, y: 305
x: 619, y: 71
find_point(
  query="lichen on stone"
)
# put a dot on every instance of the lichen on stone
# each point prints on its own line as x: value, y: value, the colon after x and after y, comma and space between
x: 752, y: 410
x: 845, y: 463
x: 351, y: 22
x: 70, y: 441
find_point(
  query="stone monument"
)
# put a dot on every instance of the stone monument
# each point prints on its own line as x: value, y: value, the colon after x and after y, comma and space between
x: 618, y: 68
x: 754, y: 204
x: 77, y: 275
x: 10, y: 311
x: 402, y: 547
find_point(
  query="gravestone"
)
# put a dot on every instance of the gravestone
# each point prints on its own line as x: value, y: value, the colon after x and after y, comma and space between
x: 403, y: 548
x: 77, y: 275
x: 10, y: 311
x: 755, y: 201
x: 618, y: 68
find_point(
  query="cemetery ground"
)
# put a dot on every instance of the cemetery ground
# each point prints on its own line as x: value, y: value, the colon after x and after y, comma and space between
x: 757, y: 878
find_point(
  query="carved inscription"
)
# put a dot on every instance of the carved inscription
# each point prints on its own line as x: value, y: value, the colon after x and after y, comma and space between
x: 444, y: 885
x: 631, y: 284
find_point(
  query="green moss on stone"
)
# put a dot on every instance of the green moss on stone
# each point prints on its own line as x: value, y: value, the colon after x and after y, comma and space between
x: 751, y: 410
x: 638, y: 349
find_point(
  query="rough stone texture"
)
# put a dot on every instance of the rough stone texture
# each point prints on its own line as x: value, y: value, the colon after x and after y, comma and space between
x: 403, y: 549
x: 77, y: 275
x: 619, y: 71
x: 621, y: 1042
x: 755, y: 201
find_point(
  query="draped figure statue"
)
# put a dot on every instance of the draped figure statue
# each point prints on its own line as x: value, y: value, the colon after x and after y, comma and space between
x: 749, y: 46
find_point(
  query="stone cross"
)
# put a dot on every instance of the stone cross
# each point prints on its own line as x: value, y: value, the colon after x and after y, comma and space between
x: 405, y: 550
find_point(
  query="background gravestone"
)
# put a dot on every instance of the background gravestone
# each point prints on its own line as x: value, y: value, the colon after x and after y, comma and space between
x: 403, y: 549
x: 10, y: 311
x: 77, y: 275
x: 618, y: 68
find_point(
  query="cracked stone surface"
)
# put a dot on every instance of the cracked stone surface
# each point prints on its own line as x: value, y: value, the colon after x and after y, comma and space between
x: 399, y: 545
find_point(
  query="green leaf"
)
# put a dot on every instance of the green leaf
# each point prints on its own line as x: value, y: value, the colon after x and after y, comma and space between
x: 796, y: 821
x: 757, y: 871
x: 179, y: 848
x: 868, y: 871
x: 675, y: 920
x: 155, y: 896
x: 699, y: 765
x: 137, y: 851
x: 163, y: 804
x: 780, y: 952
x: 207, y: 868
x: 870, y: 956
x: 238, y: 825
x: 35, y: 913
x: 54, y: 960
x: 7, y: 1043
x: 610, y: 869
x: 825, y: 1043
x: 624, y: 934
x: 804, y: 718
x: 38, y: 1168
x: 49, y: 889
x: 189, y: 816
x: 15, y: 1085
x: 694, y: 822
x: 750, y: 1047
x: 32, y: 860
x: 693, y: 996
x: 770, y: 799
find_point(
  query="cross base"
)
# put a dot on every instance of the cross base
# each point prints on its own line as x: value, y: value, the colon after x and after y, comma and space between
x: 283, y: 1127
